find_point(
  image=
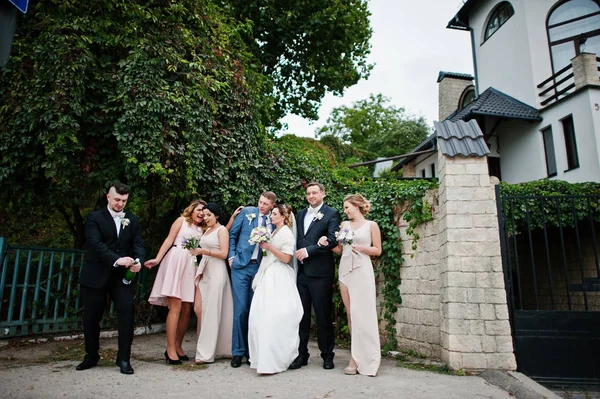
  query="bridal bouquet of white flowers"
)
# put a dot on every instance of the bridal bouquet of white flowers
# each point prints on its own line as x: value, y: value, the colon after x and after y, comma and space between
x: 191, y: 242
x: 260, y: 234
x: 345, y: 236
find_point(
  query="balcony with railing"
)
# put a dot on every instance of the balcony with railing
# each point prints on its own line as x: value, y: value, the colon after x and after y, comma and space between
x: 584, y: 70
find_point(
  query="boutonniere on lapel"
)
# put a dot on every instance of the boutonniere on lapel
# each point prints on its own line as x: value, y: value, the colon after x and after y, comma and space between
x: 250, y: 217
x: 319, y: 216
x: 125, y: 222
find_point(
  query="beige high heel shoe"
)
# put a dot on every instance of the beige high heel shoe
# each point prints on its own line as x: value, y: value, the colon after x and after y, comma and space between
x: 351, y: 370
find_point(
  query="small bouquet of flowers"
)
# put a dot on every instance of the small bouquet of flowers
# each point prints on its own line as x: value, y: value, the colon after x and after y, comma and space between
x: 345, y: 236
x: 260, y: 234
x: 191, y: 242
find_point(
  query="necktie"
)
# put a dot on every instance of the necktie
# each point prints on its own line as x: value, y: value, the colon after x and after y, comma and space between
x: 119, y: 215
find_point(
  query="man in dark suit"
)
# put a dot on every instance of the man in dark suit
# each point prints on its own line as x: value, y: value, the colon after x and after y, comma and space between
x: 114, y: 240
x: 316, y: 273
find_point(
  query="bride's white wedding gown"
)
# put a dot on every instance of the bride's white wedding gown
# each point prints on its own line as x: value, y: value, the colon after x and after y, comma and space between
x: 276, y: 311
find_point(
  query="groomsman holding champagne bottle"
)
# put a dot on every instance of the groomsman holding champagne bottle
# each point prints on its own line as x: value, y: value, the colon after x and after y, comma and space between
x: 115, y: 245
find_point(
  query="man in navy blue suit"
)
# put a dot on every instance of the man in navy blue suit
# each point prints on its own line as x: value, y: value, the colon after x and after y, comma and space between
x: 244, y: 259
x: 316, y: 273
x: 114, y: 240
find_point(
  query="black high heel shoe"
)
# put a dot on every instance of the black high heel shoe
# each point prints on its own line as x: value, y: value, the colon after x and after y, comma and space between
x: 171, y: 361
x: 183, y: 358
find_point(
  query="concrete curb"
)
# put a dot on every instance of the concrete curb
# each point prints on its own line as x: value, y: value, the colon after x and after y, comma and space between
x: 517, y: 384
x: 151, y: 329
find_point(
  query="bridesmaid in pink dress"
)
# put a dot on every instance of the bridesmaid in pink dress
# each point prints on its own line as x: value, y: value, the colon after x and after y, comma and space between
x: 174, y: 283
x: 357, y: 286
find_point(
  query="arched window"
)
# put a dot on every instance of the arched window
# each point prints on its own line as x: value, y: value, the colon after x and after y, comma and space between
x: 573, y: 27
x: 467, y: 97
x: 497, y: 18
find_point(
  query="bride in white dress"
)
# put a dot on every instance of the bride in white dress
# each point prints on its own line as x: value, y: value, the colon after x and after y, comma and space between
x: 276, y: 310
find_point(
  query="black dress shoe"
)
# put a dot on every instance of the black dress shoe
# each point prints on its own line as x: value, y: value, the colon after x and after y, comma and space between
x: 125, y: 367
x: 298, y: 362
x: 328, y: 363
x: 236, y: 361
x: 183, y: 358
x: 87, y: 363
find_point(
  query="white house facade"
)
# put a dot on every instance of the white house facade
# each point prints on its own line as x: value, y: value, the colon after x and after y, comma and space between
x: 536, y: 89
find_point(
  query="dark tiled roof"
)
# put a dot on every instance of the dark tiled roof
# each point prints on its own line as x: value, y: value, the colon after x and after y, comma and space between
x: 463, y: 76
x: 492, y: 103
x: 495, y: 103
x: 461, y: 138
x: 461, y: 19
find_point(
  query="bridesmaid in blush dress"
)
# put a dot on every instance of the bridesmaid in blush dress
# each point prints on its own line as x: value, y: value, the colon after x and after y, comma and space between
x: 357, y: 286
x: 214, y: 300
x: 174, y: 283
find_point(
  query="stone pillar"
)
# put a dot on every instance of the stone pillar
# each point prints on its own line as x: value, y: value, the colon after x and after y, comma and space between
x: 475, y: 329
x: 585, y: 70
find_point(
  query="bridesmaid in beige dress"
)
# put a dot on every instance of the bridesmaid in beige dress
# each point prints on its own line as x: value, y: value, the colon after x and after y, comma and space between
x: 357, y: 286
x: 174, y: 283
x: 214, y: 301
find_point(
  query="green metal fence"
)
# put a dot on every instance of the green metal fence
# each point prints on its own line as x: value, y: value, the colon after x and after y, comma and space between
x: 39, y: 290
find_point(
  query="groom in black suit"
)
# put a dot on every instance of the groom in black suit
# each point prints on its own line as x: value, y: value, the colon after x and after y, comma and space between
x: 316, y: 273
x: 114, y: 240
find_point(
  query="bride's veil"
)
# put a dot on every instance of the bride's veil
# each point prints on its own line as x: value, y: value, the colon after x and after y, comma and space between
x: 294, y: 261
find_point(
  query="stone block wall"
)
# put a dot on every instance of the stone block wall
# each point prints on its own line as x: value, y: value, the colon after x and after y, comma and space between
x: 418, y: 318
x: 454, y: 300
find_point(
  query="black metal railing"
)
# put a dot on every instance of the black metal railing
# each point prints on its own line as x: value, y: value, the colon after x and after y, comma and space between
x: 557, y: 85
x: 550, y: 250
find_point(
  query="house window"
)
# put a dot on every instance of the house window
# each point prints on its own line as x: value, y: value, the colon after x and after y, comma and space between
x: 549, y: 151
x: 570, y: 142
x: 422, y: 172
x: 573, y: 27
x: 432, y: 170
x: 466, y: 97
x: 498, y: 17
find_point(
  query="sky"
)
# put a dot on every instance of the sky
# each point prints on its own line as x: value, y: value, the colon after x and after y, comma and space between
x: 409, y: 47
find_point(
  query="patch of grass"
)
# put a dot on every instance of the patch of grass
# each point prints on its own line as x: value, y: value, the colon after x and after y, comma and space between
x: 413, y: 360
x: 76, y: 352
x: 433, y: 367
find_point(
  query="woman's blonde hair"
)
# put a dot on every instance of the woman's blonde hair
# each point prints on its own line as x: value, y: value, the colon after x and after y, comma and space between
x: 187, y: 212
x: 286, y: 213
x: 360, y: 202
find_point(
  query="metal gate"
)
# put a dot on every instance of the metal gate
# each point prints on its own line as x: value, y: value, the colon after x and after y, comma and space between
x: 552, y: 273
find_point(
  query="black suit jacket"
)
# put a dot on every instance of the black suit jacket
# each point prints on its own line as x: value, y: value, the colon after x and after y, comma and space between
x: 320, y: 259
x: 105, y: 247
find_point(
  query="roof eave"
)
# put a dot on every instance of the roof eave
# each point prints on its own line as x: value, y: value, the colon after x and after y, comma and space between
x: 524, y: 118
x: 461, y: 19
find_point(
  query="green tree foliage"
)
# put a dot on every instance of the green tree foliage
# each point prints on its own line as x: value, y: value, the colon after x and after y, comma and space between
x: 308, y: 47
x: 158, y: 94
x: 375, y: 126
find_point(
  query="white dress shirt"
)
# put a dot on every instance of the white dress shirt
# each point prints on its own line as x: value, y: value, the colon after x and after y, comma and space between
x: 311, y: 213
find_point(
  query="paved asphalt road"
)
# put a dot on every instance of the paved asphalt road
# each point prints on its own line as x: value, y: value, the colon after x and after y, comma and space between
x: 47, y: 370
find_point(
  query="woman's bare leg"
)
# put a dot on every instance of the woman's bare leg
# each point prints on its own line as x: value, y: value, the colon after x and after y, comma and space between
x: 198, y: 309
x: 172, y: 321
x: 182, y: 326
x: 346, y: 300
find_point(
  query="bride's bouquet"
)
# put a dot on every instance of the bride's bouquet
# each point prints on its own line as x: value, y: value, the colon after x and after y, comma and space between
x: 191, y: 242
x: 260, y: 234
x: 345, y: 236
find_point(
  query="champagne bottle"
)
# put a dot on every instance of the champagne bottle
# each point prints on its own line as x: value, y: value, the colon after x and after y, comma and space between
x: 129, y: 275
